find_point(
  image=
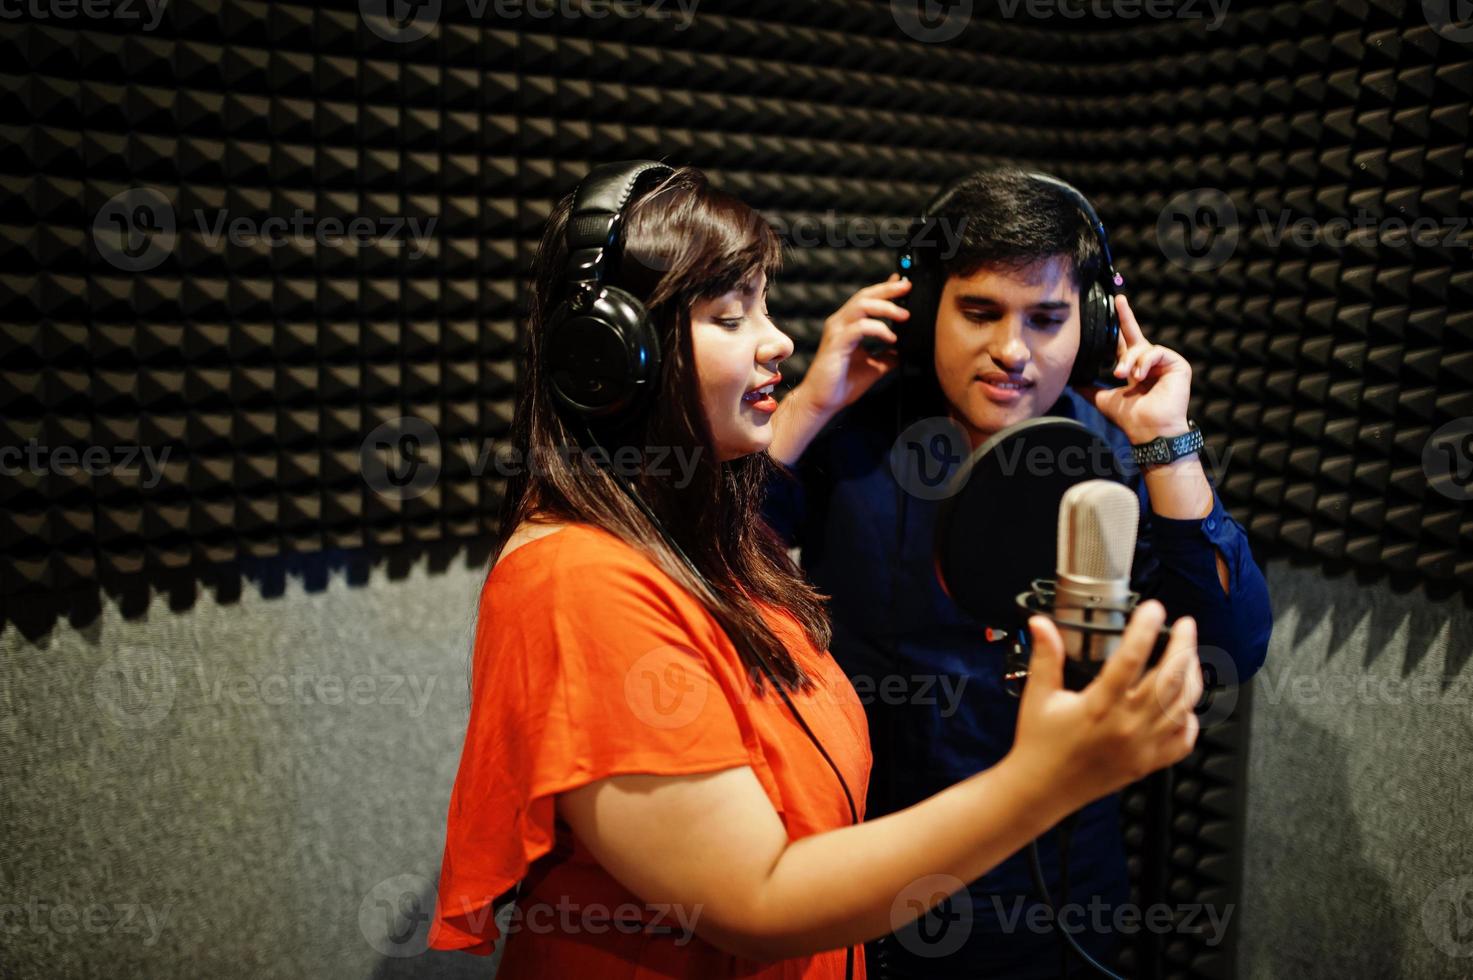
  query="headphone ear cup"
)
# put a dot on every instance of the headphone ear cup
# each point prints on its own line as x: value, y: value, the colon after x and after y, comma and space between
x: 918, y: 334
x: 1099, y: 335
x: 602, y: 354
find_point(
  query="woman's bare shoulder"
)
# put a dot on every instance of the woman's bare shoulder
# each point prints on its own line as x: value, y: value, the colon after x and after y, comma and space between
x: 530, y: 530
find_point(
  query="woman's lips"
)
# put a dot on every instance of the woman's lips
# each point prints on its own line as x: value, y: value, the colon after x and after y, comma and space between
x: 1002, y: 389
x: 761, y: 398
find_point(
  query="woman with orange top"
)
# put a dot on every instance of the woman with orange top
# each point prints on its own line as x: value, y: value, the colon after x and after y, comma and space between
x: 663, y: 770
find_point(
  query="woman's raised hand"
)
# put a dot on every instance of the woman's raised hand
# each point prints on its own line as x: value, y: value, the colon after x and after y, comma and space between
x: 1125, y: 724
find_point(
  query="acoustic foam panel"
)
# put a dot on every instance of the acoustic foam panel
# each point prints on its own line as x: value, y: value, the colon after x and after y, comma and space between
x: 1323, y: 371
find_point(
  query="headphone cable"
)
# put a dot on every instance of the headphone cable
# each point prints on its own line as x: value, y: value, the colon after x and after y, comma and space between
x: 629, y: 491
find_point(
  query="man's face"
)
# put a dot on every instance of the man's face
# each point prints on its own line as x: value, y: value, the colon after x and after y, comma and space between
x: 1005, y: 343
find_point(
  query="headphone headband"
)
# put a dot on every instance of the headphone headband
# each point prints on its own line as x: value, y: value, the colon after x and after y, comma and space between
x: 1099, y: 325
x: 597, y: 219
x: 602, y: 353
x: 1090, y: 215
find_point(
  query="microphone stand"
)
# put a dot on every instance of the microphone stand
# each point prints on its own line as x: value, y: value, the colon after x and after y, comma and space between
x: 1157, y: 788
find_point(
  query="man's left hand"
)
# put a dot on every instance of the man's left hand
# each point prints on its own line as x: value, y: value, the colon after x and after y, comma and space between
x: 1159, y: 385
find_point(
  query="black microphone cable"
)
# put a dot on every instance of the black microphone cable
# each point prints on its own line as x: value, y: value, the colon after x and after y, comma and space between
x: 1067, y: 942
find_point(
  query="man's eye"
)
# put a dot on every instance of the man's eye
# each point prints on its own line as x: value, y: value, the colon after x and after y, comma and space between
x: 980, y: 316
x: 1048, y: 323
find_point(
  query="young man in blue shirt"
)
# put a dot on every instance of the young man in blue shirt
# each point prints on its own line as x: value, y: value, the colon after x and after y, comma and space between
x: 1001, y: 349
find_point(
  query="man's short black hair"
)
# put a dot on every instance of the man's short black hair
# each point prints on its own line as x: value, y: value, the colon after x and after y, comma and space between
x: 1011, y: 221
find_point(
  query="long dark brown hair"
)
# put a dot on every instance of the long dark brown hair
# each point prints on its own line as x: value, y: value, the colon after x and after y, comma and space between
x: 684, y: 241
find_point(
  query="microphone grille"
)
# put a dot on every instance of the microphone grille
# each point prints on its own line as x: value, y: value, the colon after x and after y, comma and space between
x: 1098, y: 521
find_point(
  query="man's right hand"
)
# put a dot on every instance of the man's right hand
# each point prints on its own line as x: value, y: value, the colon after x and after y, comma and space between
x: 841, y: 370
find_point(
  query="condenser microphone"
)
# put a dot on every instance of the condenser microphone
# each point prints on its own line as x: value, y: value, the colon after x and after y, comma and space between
x: 1098, y: 521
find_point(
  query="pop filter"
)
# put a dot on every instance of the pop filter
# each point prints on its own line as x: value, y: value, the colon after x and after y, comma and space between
x: 997, y: 529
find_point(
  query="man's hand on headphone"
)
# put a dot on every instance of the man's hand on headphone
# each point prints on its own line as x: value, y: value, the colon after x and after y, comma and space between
x: 842, y: 370
x: 1158, y: 385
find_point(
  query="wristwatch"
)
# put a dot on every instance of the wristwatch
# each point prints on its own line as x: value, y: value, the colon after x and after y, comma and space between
x: 1162, y: 449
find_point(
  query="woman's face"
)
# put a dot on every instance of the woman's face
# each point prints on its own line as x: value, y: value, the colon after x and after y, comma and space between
x: 737, y: 351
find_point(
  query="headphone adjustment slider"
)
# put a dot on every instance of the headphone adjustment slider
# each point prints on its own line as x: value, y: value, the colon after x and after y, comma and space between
x: 583, y: 296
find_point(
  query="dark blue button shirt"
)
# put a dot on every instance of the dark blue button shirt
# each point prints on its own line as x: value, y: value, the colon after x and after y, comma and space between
x: 948, y: 714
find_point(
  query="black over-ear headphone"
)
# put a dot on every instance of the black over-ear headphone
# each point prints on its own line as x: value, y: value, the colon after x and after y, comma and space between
x: 920, y: 261
x: 603, y: 355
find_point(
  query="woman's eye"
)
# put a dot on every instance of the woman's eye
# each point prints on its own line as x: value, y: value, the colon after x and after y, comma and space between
x: 731, y: 322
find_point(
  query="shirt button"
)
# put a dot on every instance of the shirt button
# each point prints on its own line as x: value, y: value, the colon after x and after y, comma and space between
x: 1211, y: 524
